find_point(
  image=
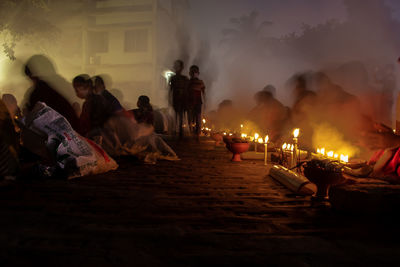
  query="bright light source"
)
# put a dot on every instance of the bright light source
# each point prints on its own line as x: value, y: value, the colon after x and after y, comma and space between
x: 296, y: 132
x: 168, y: 74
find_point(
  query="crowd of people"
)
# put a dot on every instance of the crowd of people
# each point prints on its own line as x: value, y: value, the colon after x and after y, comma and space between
x: 118, y: 131
x: 101, y: 119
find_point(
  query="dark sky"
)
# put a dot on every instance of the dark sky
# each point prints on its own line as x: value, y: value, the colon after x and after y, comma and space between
x: 209, y: 17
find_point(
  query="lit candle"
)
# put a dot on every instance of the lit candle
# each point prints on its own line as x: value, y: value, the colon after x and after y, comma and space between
x: 266, y: 150
x: 256, y: 135
x: 296, y: 133
x: 330, y: 154
x: 344, y: 158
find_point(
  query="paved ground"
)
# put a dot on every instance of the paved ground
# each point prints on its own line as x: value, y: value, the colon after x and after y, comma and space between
x: 202, y: 210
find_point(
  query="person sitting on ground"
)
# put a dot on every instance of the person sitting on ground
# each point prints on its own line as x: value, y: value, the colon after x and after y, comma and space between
x: 269, y: 114
x: 386, y: 158
x: 196, y: 90
x: 43, y: 92
x: 144, y: 113
x: 117, y: 134
x: 12, y: 105
x: 100, y: 89
x: 9, y: 145
x: 96, y: 110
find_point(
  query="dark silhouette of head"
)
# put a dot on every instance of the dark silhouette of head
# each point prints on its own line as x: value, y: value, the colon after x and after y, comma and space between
x: 178, y: 66
x: 39, y: 66
x: 143, y: 102
x: 270, y: 88
x: 83, y: 85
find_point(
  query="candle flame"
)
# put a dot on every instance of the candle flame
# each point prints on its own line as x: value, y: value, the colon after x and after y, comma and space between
x: 318, y: 151
x: 284, y: 146
x: 296, y: 132
x: 256, y: 135
x: 323, y: 151
x: 230, y: 134
x: 266, y: 139
x: 292, y: 147
x: 260, y: 140
x: 224, y: 133
x: 204, y: 121
x: 241, y: 125
x: 330, y: 154
x: 336, y: 156
x: 244, y: 135
x: 344, y: 158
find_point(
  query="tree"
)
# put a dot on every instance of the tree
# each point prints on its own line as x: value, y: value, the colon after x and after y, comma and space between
x: 24, y: 19
x: 246, y: 31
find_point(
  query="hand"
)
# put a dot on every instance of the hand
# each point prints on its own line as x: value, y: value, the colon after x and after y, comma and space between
x: 382, y: 128
x: 380, y: 140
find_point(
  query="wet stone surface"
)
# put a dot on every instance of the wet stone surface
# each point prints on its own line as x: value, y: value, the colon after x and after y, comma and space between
x: 202, y: 210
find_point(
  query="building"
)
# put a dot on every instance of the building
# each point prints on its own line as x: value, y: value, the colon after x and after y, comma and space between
x: 116, y: 38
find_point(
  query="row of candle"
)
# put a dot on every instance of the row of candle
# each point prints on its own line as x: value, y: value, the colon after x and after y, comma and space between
x: 331, y: 154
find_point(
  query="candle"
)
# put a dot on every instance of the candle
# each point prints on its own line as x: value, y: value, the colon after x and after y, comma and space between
x: 344, y: 158
x: 296, y: 133
x: 266, y: 150
x: 256, y: 135
x: 330, y: 154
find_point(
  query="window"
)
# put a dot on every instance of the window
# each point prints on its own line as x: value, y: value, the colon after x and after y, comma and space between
x: 136, y: 40
x: 98, y: 42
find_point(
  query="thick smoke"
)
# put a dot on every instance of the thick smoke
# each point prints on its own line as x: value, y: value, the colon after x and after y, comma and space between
x: 356, y: 57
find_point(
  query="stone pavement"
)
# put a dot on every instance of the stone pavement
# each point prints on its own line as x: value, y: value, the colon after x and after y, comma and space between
x: 202, y: 210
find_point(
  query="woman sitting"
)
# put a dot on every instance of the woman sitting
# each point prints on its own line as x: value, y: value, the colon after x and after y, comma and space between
x: 144, y: 113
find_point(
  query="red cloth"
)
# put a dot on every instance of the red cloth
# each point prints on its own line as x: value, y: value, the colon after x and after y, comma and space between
x: 392, y: 165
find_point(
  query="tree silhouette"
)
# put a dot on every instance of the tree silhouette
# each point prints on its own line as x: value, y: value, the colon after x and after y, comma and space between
x: 23, y: 19
x: 246, y: 31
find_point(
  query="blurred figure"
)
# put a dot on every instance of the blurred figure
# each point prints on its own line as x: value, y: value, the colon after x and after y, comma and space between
x: 43, y: 92
x: 77, y: 107
x: 269, y: 114
x: 303, y: 109
x: 95, y: 110
x: 12, y: 105
x: 270, y: 88
x: 178, y: 88
x: 227, y: 117
x: 338, y: 107
x: 100, y: 89
x: 9, y: 145
x: 196, y: 90
x: 144, y: 113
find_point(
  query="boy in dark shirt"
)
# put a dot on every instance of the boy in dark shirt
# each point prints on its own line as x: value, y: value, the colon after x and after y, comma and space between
x: 178, y: 88
x: 100, y: 89
x: 196, y: 90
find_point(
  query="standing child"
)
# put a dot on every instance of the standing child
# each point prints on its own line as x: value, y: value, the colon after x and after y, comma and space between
x: 196, y: 90
x: 178, y: 88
